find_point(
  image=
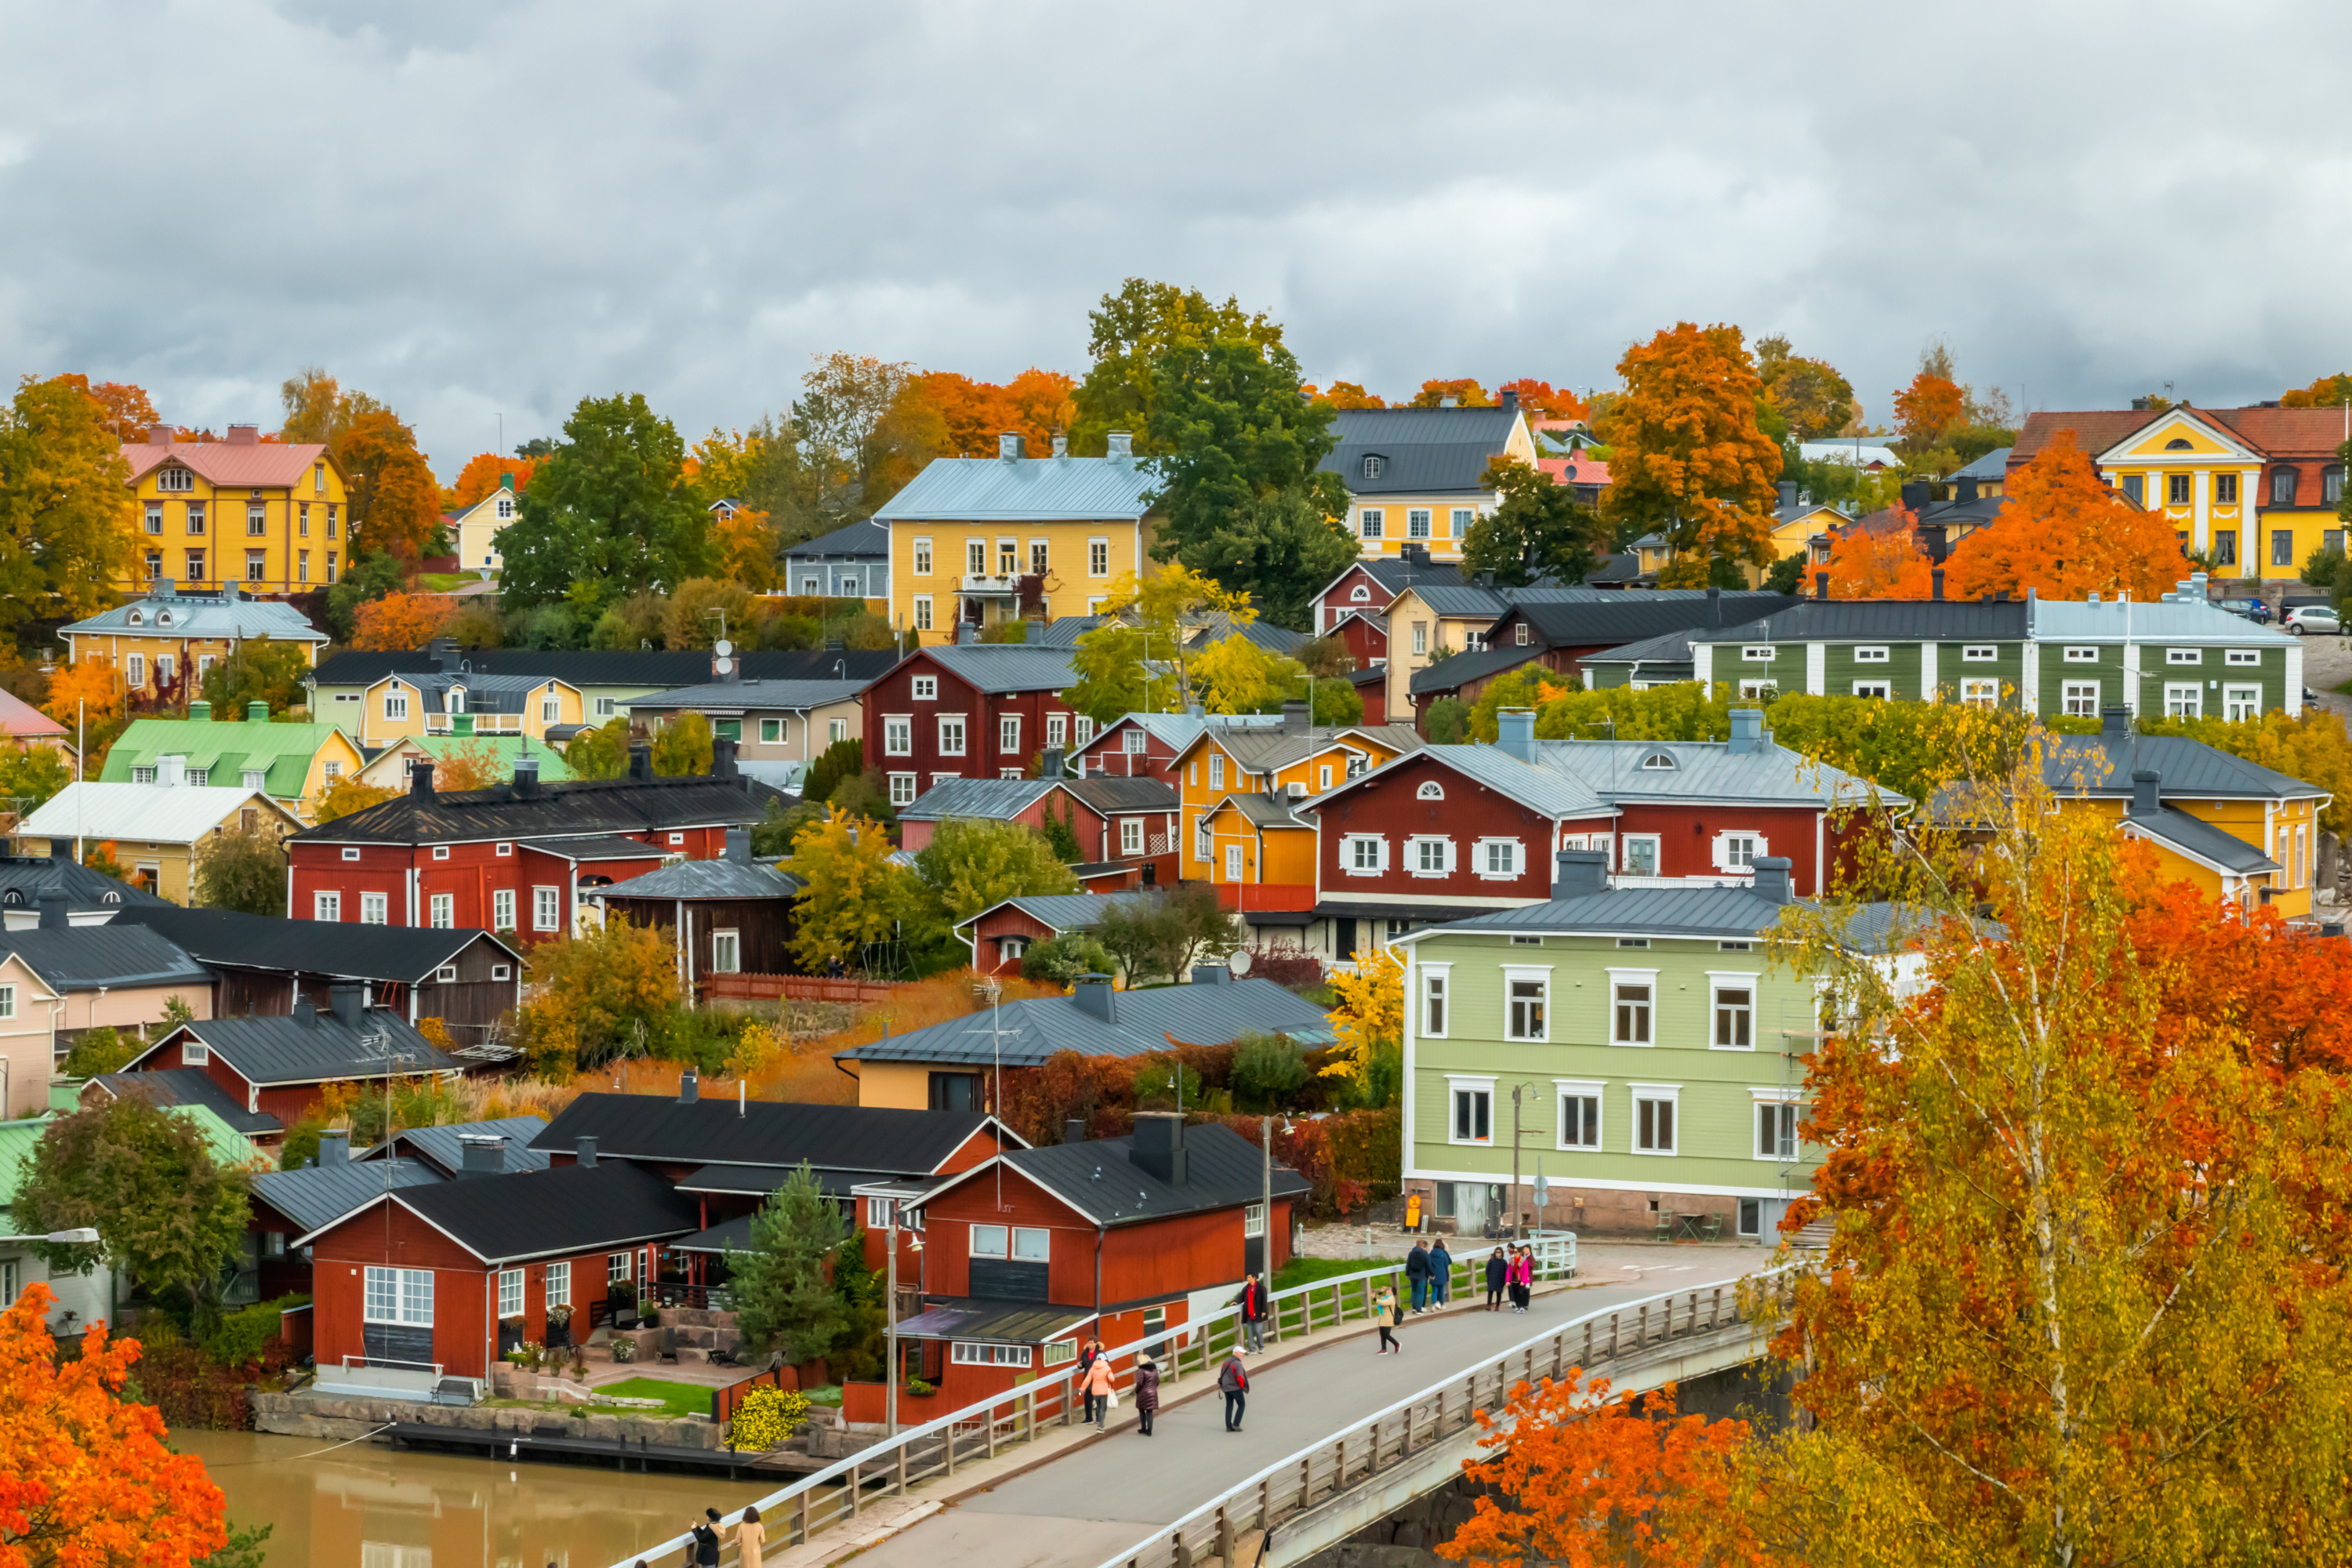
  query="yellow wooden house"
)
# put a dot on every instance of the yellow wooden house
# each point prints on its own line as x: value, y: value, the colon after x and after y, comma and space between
x: 1415, y: 477
x: 163, y: 644
x: 271, y: 517
x: 412, y: 704
x: 1296, y: 762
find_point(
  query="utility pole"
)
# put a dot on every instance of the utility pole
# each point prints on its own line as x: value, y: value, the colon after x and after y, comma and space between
x: 890, y: 1323
x: 1265, y: 1197
x: 1514, y: 1161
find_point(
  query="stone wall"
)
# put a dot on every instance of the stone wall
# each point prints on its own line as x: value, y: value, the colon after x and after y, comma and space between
x: 310, y: 1416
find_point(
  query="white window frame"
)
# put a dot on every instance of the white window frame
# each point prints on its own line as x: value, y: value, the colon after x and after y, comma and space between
x: 2184, y: 700
x: 1235, y: 862
x: 1514, y: 976
x: 1008, y: 734
x: 1669, y: 1095
x: 441, y: 911
x: 1980, y: 691
x: 7, y: 1001
x: 1737, y: 849
x: 1648, y: 1004
x: 1657, y: 853
x: 922, y: 558
x: 2080, y: 656
x: 1979, y: 653
x: 902, y: 789
x: 771, y: 732
x: 1371, y: 522
x: 1435, y: 981
x: 1204, y: 843
x: 1719, y: 982
x: 2240, y: 703
x: 1874, y: 653
x: 1759, y: 690
x: 727, y: 951
x: 1793, y: 1135
x: 376, y: 908
x: 1456, y: 1087
x: 546, y: 908
x: 1465, y: 518
x: 2184, y: 656
x: 1216, y: 769
x: 510, y: 1296
x: 2079, y: 698
x: 400, y: 1297
x: 1352, y: 854
x: 952, y: 724
x: 1057, y: 728
x: 1756, y: 654
x: 1098, y: 557
x: 987, y: 1352
x: 1431, y: 790
x: 620, y: 1265
x: 1417, y: 520
x: 1130, y: 836
x: 1593, y: 1094
x: 396, y: 707
x: 2243, y: 656
x: 922, y: 611
x: 1509, y: 851
x: 1882, y: 689
x: 502, y: 909
x: 559, y: 1284
x: 1430, y: 855
x: 192, y: 1053
x: 926, y: 688
x: 1082, y: 728
x: 898, y: 735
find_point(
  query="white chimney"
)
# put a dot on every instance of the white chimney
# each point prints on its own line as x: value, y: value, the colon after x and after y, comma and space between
x: 172, y: 770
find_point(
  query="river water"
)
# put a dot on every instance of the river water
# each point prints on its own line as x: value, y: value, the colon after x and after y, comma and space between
x: 367, y: 1506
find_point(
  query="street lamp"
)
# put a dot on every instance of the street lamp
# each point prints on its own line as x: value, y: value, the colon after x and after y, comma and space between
x: 80, y: 1236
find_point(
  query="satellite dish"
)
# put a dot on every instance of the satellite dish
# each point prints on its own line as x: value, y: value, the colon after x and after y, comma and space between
x: 722, y: 647
x: 722, y: 665
x: 1239, y: 962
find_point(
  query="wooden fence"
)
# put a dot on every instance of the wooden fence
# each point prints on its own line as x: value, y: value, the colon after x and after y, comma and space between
x: 792, y: 987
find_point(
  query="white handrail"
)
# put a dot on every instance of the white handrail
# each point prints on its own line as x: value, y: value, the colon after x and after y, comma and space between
x: 1501, y: 1357
x: 1336, y: 1284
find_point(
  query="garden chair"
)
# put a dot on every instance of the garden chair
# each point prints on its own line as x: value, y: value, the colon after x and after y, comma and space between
x: 1666, y: 1228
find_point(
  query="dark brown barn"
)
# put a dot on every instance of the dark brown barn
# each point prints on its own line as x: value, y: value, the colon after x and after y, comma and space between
x: 728, y: 916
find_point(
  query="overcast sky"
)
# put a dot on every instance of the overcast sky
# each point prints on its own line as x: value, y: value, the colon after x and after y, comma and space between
x: 471, y: 208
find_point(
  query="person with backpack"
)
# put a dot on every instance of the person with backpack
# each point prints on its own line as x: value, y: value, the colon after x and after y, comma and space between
x: 1440, y: 1273
x: 1497, y: 1276
x: 1233, y: 1379
x: 1416, y: 1274
x: 1388, y: 1312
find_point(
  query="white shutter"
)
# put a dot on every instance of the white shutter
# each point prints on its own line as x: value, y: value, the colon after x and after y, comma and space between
x: 1449, y: 854
x: 1722, y: 852
x: 1383, y: 851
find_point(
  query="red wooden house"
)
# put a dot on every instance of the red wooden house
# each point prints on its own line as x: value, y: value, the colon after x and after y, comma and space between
x: 1146, y: 745
x: 440, y: 1275
x: 1366, y: 586
x: 1116, y: 820
x: 1117, y: 1238
x: 515, y: 857
x: 1365, y: 636
x: 968, y: 710
x: 1001, y: 933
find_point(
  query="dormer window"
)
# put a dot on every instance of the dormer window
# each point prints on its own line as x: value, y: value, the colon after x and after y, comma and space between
x: 175, y: 478
x: 1659, y: 761
x: 1432, y: 790
x: 1373, y: 465
x: 138, y: 618
x: 457, y: 700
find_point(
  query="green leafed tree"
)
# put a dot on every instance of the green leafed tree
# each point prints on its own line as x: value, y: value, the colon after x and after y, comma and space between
x: 1540, y: 530
x: 1128, y: 333
x: 257, y: 670
x: 782, y: 1285
x: 968, y: 866
x: 163, y: 1209
x: 611, y: 508
x: 243, y: 869
x: 66, y: 522
x: 1060, y: 959
x: 682, y: 746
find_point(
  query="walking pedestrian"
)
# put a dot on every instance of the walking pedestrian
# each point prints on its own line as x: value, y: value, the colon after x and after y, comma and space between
x: 1440, y: 1273
x: 1233, y: 1379
x: 1498, y: 1273
x: 1252, y: 1301
x: 1146, y: 1392
x: 751, y: 1538
x: 1100, y: 1385
x: 706, y: 1539
x: 1388, y: 1312
x: 1088, y: 1353
x: 1416, y: 1274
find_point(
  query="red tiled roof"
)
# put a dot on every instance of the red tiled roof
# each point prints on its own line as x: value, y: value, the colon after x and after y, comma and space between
x: 268, y: 463
x: 2095, y: 430
x: 2286, y: 434
x: 1589, y: 470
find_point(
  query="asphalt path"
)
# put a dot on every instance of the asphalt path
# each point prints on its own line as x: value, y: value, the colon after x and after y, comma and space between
x: 1080, y: 1510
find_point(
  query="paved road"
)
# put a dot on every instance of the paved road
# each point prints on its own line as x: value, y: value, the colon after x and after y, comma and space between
x: 1080, y: 1510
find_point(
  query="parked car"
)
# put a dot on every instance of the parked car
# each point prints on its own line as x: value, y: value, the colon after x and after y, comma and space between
x: 2313, y: 618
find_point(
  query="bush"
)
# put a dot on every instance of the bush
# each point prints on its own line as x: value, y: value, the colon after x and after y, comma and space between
x: 1447, y: 722
x: 1158, y: 1086
x: 1287, y: 964
x: 1059, y: 961
x: 1268, y: 1070
x: 243, y: 1338
x: 98, y: 1050
x: 2323, y: 568
x: 842, y: 760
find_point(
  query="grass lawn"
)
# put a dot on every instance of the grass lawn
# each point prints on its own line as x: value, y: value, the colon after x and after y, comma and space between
x: 445, y: 581
x: 682, y: 1398
x: 1307, y: 1270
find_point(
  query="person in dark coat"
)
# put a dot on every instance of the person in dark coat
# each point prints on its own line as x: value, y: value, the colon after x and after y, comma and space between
x: 1147, y: 1391
x: 1233, y: 1379
x: 1440, y: 1273
x: 706, y: 1539
x: 1499, y: 1274
x: 1252, y: 1301
x: 1416, y: 1274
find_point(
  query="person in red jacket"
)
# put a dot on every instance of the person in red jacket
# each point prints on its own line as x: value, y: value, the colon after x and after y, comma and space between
x: 1252, y: 1301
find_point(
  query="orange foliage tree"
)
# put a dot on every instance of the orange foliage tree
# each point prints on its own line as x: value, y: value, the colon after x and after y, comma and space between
x: 2327, y: 391
x: 972, y: 414
x: 1466, y: 393
x: 479, y: 478
x: 1881, y: 562
x: 89, y: 690
x: 1930, y: 406
x: 1691, y: 461
x: 85, y: 1478
x: 1344, y: 394
x: 1539, y: 401
x: 395, y: 501
x: 476, y: 764
x: 402, y: 621
x: 745, y: 545
x: 1589, y: 1481
x: 2064, y: 534
x: 128, y: 412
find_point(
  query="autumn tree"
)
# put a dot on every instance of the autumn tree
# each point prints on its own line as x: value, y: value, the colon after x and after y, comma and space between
x: 480, y: 479
x: 2087, y: 1259
x: 1573, y: 1478
x: 65, y: 513
x: 682, y: 746
x: 2064, y: 534
x: 348, y: 795
x: 2327, y: 391
x: 701, y: 610
x: 402, y: 621
x: 1540, y: 530
x: 851, y: 896
x: 126, y: 410
x: 1689, y: 459
x: 612, y: 509
x: 395, y: 505
x: 1882, y: 560
x: 165, y: 1211
x: 1810, y: 394
x: 1346, y: 394
x: 258, y: 669
x: 1465, y: 392
x: 1924, y: 410
x: 743, y: 549
x: 1368, y: 1015
x: 1539, y: 401
x: 602, y: 752
x: 244, y: 870
x: 319, y: 410
x: 971, y: 414
x: 603, y: 991
x: 970, y: 866
x: 469, y: 765
x: 86, y: 1475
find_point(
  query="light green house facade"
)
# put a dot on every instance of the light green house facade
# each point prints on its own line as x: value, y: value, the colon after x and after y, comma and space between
x: 1653, y: 1042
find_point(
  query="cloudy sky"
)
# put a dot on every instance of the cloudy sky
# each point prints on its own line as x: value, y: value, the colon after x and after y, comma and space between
x: 473, y: 209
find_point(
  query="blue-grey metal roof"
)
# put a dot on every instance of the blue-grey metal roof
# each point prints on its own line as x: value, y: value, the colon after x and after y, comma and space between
x: 1067, y: 631
x: 1264, y: 810
x: 340, y: 949
x: 319, y: 1195
x: 1453, y: 673
x: 1064, y: 911
x: 1272, y: 639
x: 1877, y: 620
x: 1143, y: 1021
x: 758, y: 1181
x: 2188, y: 770
x: 226, y: 613
x: 24, y: 878
x: 986, y: 800
x: 1670, y: 647
x: 1993, y: 465
x: 442, y: 1146
x: 1113, y: 794
x: 192, y: 1087
x: 745, y: 696
x: 1554, y: 792
x: 1260, y: 751
x: 1004, y: 666
x: 1727, y: 911
x: 1005, y: 1323
x: 720, y: 878
x: 1707, y: 771
x: 1101, y: 1180
x: 1420, y: 450
x: 1025, y: 489
x: 84, y: 958
x: 2201, y: 840
x: 869, y: 540
x: 1178, y: 731
x: 2195, y: 620
x: 320, y: 1049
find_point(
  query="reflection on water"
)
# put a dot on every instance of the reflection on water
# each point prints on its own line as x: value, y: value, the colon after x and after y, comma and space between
x: 366, y: 1506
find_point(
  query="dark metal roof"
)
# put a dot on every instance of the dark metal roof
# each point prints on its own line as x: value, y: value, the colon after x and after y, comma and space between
x: 595, y: 667
x: 1265, y: 811
x: 867, y: 539
x: 750, y: 696
x: 341, y: 949
x: 1614, y: 618
x: 758, y: 1181
x: 1143, y: 1023
x: 319, y: 1195
x: 24, y: 878
x: 1669, y: 647
x: 2188, y: 770
x: 84, y: 958
x: 571, y: 809
x: 734, y: 1236
x: 443, y: 1147
x: 1452, y: 674
x: 1100, y: 1179
x: 545, y: 1214
x: 1109, y: 794
x: 190, y: 1086
x: 1007, y: 1322
x: 1892, y: 620
x: 598, y: 847
x: 1264, y: 751
x: 1660, y: 911
x: 321, y: 1049
x: 1420, y: 449
x: 1066, y: 911
x: 2203, y: 840
x: 765, y: 1133
x: 706, y: 879
x: 1004, y: 666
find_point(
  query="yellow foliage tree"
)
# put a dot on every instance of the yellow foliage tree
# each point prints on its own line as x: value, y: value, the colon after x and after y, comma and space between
x: 604, y: 993
x: 87, y: 691
x: 1151, y: 617
x: 348, y: 795
x: 852, y: 894
x: 745, y: 544
x: 1369, y: 1012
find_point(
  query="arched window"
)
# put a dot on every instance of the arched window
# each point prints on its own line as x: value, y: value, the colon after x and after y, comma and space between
x: 1373, y: 466
x: 2177, y: 444
x: 137, y: 619
x: 457, y: 700
x: 163, y: 617
x: 1432, y: 790
x: 2282, y: 487
x: 1363, y: 595
x: 1659, y: 761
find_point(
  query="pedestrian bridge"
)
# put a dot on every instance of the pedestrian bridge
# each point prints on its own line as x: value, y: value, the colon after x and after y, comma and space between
x: 1334, y: 1439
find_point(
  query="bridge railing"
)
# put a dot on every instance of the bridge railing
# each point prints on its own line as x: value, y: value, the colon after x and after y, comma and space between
x: 1331, y: 1465
x: 839, y: 1493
